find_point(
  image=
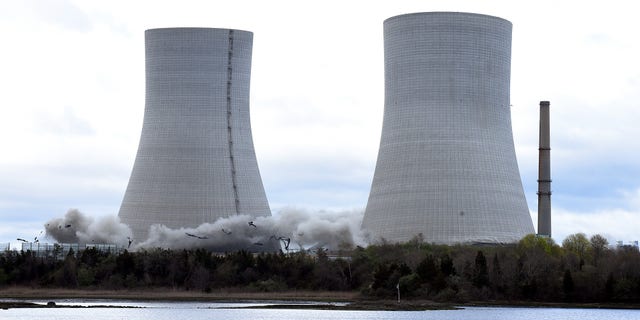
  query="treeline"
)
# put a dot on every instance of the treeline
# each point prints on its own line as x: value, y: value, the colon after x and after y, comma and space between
x: 535, y: 269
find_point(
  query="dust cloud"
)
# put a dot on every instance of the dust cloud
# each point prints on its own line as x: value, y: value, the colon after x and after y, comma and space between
x: 289, y: 229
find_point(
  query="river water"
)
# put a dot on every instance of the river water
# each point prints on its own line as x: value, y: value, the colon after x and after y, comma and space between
x: 232, y: 311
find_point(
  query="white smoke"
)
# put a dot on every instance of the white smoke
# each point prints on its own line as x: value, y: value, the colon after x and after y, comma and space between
x: 289, y: 229
x: 332, y: 230
x: 76, y: 227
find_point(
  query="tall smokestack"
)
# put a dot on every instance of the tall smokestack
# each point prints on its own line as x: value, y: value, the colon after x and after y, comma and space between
x: 544, y: 173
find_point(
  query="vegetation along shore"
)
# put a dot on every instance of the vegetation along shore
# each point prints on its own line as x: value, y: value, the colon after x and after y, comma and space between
x: 581, y: 272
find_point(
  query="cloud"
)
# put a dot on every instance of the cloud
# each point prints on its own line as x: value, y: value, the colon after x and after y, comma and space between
x: 613, y: 224
x: 316, y: 101
x: 27, y: 230
x: 61, y: 13
x: 67, y: 123
x: 633, y: 198
x: 617, y: 221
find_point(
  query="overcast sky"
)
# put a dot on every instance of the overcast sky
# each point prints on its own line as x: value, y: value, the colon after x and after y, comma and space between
x: 72, y: 100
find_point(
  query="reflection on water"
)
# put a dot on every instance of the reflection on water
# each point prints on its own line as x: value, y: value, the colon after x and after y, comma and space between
x: 158, y: 310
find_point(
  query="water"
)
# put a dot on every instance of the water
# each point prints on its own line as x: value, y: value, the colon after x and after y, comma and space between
x: 229, y: 311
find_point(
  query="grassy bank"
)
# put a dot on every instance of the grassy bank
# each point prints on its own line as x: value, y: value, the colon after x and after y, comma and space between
x: 176, y: 295
x: 354, y: 300
x: 326, y: 298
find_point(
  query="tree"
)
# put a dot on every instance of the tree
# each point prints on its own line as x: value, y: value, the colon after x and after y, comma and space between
x: 599, y: 246
x: 533, y: 242
x: 198, y: 278
x: 3, y: 277
x: 380, y: 275
x: 536, y: 273
x: 409, y: 284
x: 446, y: 265
x: 577, y: 243
x: 567, y: 284
x: 609, y: 287
x: 125, y: 263
x: 497, y: 279
x: 427, y: 269
x: 326, y: 275
x: 480, y: 273
x: 68, y: 276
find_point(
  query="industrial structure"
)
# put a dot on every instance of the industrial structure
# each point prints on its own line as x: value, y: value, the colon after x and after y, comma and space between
x: 60, y: 250
x: 196, y: 161
x: 446, y: 169
x: 544, y: 173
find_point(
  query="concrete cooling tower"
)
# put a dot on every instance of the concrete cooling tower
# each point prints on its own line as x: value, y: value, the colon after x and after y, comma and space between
x: 195, y: 162
x: 446, y: 167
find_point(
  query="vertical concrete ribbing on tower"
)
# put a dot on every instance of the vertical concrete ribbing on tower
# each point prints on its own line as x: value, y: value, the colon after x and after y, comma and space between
x: 195, y: 161
x: 446, y: 166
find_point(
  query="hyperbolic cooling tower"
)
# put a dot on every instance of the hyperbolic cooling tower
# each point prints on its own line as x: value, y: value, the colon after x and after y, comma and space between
x: 446, y: 166
x: 196, y: 162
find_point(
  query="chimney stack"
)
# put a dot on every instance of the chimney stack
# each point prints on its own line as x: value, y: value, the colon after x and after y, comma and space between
x: 544, y: 173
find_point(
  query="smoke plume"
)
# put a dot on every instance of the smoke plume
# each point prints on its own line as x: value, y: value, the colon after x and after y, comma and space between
x: 76, y: 227
x: 289, y: 229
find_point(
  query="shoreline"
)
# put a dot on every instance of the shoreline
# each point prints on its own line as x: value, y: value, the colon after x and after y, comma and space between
x: 168, y: 294
x: 326, y: 300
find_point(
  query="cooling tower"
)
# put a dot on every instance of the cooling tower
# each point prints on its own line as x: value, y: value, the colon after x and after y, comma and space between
x: 446, y: 167
x: 195, y: 162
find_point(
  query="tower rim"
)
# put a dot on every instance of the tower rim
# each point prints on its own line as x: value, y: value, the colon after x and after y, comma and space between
x: 196, y: 28
x: 457, y: 13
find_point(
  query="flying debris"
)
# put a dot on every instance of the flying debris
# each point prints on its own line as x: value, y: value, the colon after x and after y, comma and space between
x: 195, y: 236
x: 35, y: 240
x: 23, y: 240
x: 76, y: 227
x: 330, y: 229
x: 286, y: 241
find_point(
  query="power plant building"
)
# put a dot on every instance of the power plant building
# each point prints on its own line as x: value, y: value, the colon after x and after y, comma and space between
x: 196, y: 161
x: 446, y: 167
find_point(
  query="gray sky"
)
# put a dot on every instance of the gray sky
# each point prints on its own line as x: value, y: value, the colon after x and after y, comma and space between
x: 72, y: 100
